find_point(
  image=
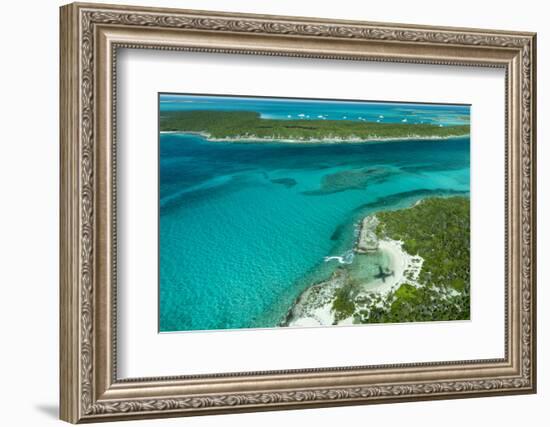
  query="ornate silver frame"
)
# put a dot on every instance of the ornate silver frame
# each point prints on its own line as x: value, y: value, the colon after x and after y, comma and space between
x: 90, y: 36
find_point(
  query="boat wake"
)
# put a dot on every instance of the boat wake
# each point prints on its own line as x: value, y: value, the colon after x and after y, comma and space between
x: 346, y: 258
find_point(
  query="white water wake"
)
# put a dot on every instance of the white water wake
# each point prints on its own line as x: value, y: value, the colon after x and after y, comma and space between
x: 346, y: 258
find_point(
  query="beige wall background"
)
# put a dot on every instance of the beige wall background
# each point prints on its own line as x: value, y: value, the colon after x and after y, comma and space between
x: 29, y: 170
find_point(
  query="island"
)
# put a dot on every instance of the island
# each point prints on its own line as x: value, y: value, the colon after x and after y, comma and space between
x: 427, y: 277
x: 243, y: 126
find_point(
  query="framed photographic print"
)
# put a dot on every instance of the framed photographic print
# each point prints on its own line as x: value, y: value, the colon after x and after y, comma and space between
x: 282, y: 212
x: 264, y: 212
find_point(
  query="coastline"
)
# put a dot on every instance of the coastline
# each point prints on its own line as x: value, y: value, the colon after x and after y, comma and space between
x: 406, y: 287
x: 328, y: 140
x: 315, y: 305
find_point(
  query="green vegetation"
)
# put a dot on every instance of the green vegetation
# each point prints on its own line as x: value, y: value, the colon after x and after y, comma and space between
x: 419, y: 304
x: 343, y: 305
x: 438, y: 230
x: 242, y: 124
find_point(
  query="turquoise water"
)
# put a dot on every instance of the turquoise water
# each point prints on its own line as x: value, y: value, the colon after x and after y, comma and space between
x: 244, y: 228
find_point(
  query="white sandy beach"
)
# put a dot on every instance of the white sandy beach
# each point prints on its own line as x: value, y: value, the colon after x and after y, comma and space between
x: 401, y: 263
x: 328, y: 140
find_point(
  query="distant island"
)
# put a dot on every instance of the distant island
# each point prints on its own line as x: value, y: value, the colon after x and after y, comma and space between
x: 241, y: 126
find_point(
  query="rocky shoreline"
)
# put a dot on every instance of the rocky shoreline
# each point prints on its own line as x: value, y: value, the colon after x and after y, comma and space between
x: 367, y: 241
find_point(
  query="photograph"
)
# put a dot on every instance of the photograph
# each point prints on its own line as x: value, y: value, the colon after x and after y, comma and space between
x: 294, y: 212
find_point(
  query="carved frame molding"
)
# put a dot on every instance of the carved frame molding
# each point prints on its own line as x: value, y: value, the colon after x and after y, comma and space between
x: 90, y: 36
